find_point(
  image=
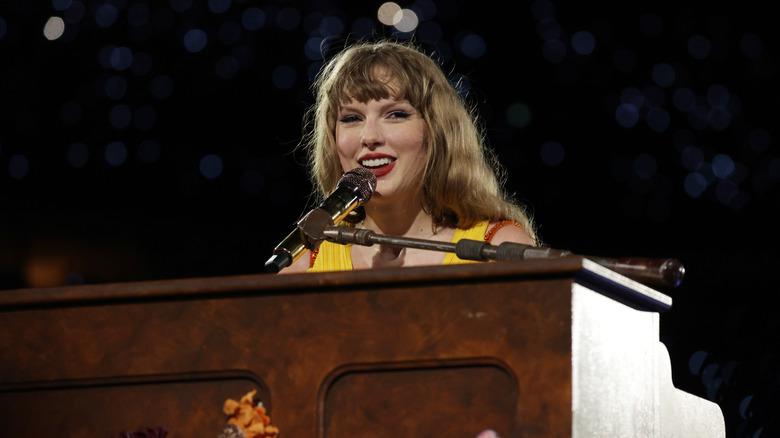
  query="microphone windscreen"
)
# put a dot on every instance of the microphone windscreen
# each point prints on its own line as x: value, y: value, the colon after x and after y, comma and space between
x: 363, y: 179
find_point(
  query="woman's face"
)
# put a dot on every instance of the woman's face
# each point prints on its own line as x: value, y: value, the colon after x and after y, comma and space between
x: 387, y: 137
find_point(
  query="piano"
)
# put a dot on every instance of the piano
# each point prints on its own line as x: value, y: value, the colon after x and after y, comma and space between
x: 558, y: 347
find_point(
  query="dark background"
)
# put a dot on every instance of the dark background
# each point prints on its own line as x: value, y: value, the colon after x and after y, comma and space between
x: 127, y: 153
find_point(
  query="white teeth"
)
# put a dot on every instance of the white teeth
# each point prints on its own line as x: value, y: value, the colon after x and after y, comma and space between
x: 377, y: 162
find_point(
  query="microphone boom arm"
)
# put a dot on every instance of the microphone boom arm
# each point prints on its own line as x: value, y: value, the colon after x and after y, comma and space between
x: 465, y: 249
x: 656, y: 271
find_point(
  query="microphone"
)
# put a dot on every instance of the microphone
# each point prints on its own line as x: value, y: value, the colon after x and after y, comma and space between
x: 353, y: 189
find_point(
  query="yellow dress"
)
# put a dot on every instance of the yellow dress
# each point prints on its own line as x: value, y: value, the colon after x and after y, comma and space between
x: 337, y: 257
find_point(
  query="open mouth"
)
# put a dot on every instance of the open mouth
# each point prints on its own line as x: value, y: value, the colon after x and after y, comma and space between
x: 379, y: 166
x: 376, y: 163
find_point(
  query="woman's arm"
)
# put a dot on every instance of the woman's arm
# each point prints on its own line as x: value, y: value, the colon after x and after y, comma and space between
x: 300, y: 265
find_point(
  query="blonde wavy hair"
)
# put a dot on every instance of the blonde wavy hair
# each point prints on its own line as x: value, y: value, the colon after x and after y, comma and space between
x: 462, y: 181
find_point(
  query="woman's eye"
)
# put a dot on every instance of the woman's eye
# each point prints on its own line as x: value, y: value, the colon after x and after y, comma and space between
x: 349, y: 119
x: 400, y: 115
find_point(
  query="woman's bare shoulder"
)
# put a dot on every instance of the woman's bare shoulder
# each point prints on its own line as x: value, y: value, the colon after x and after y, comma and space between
x: 509, y: 232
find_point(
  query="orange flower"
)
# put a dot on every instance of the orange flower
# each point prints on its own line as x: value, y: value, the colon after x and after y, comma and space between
x: 249, y: 417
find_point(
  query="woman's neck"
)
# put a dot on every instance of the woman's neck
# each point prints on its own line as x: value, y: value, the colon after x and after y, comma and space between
x: 407, y: 220
x: 399, y: 220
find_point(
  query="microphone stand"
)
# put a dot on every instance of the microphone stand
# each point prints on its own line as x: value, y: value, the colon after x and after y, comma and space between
x: 318, y: 227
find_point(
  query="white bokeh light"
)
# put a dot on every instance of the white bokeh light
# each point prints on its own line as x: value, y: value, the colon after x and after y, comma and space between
x: 386, y: 13
x: 405, y: 20
x: 54, y: 28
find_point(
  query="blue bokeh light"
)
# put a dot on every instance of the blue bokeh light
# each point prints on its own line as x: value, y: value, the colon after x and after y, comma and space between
x: 627, y: 115
x: 195, y: 40
x: 664, y: 75
x: 106, y: 15
x: 473, y: 46
x: 583, y: 42
x: 115, y: 153
x: 552, y: 153
x: 253, y: 18
x: 219, y: 6
x: 18, y: 166
x: 78, y: 155
x: 210, y: 166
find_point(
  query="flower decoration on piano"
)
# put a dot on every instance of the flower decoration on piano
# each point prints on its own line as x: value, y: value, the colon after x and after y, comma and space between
x: 247, y: 419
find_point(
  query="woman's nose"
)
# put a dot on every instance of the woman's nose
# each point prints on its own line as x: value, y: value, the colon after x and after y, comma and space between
x: 371, y: 136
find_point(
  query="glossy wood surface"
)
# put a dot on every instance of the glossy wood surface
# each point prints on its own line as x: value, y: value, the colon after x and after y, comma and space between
x: 415, y: 352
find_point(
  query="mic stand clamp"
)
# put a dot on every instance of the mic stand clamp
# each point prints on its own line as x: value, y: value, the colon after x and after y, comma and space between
x: 313, y: 227
x: 308, y: 233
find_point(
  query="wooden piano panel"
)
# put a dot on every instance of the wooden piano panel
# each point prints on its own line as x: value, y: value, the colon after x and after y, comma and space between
x: 105, y: 407
x: 458, y: 400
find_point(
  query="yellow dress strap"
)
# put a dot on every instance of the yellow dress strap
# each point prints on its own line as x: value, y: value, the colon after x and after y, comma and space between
x: 477, y: 232
x: 332, y: 257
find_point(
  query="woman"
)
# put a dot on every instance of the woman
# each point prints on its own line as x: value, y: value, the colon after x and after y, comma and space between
x: 388, y: 107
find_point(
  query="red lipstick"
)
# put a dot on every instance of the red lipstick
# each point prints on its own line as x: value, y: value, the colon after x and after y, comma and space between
x: 382, y: 170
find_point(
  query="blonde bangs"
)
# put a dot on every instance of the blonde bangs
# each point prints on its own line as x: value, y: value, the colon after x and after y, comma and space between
x: 375, y: 75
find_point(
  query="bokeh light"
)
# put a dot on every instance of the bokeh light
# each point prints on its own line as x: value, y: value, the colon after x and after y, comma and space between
x: 219, y: 6
x: 195, y: 40
x: 78, y: 155
x: 583, y: 42
x: 106, y: 15
x: 552, y: 153
x: 405, y: 20
x: 664, y: 75
x: 253, y: 19
x: 473, y: 46
x: 53, y: 29
x: 115, y: 153
x: 18, y: 166
x: 699, y: 47
x: 518, y: 115
x: 211, y: 166
x: 386, y: 13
